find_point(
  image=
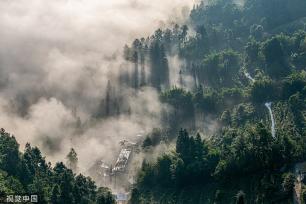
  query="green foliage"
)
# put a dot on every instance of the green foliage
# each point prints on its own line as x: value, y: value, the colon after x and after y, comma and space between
x: 233, y: 153
x: 182, y: 114
x: 206, y: 100
x: 266, y: 39
x: 9, y: 153
x: 135, y: 196
x: 288, y: 183
x: 276, y: 63
x: 104, y: 197
x: 294, y: 83
x: 262, y: 90
x: 84, y: 190
x: 240, y: 57
x: 28, y: 173
x: 9, y: 185
x: 159, y: 65
x: 220, y: 69
x: 275, y: 12
x: 178, y: 98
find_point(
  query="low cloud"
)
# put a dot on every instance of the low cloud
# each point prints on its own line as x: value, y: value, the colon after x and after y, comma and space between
x: 56, y: 58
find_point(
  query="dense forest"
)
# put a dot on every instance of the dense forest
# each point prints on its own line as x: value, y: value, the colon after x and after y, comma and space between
x: 247, y: 64
x: 28, y: 173
x: 232, y: 83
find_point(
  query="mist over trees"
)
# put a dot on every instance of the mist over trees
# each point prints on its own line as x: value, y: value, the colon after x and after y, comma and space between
x: 29, y: 173
x: 239, y: 57
x: 199, y: 91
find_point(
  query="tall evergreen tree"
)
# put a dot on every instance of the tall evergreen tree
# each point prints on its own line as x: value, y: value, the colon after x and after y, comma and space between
x: 72, y: 160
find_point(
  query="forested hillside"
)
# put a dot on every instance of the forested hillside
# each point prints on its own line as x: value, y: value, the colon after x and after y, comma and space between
x: 246, y: 65
x: 214, y: 109
x: 28, y: 174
